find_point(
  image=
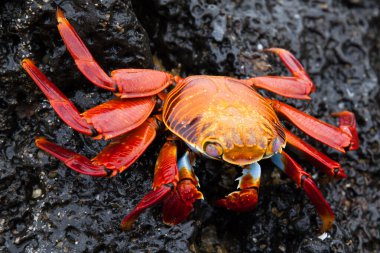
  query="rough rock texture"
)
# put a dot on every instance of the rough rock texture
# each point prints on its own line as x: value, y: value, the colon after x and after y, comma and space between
x: 47, y: 208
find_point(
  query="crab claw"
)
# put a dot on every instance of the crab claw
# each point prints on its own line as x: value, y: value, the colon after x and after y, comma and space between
x: 178, y: 205
x: 175, y: 188
x: 240, y: 201
x: 246, y: 199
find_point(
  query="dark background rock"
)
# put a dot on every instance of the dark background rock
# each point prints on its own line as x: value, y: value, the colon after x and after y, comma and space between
x: 47, y: 208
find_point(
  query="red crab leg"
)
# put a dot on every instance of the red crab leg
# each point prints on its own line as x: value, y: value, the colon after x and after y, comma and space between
x: 249, y: 184
x: 107, y: 120
x: 113, y: 159
x: 178, y: 205
x: 176, y: 188
x: 330, y: 135
x: 294, y: 171
x: 83, y: 58
x: 126, y: 82
x: 64, y: 108
x: 298, y: 86
x: 317, y: 158
x: 119, y: 116
x: 347, y: 123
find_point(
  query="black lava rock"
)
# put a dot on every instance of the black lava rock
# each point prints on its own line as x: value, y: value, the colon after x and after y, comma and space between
x: 46, y: 207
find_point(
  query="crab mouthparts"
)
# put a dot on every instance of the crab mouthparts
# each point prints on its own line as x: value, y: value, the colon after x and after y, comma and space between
x: 244, y: 155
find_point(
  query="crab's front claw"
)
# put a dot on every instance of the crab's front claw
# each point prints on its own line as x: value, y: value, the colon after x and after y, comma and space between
x: 240, y: 201
x: 246, y: 199
x: 174, y: 185
x: 179, y: 203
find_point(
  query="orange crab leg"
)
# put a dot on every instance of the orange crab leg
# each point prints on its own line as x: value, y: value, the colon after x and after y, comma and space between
x: 249, y: 184
x: 330, y: 135
x: 107, y: 120
x: 294, y: 171
x: 317, y: 158
x: 125, y: 82
x: 298, y: 86
x: 113, y: 159
x: 174, y: 187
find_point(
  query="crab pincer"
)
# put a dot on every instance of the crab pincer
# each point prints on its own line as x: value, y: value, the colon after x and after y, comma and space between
x: 174, y: 185
x: 246, y: 198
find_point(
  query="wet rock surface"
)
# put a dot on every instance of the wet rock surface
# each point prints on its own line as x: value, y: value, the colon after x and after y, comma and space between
x: 45, y: 207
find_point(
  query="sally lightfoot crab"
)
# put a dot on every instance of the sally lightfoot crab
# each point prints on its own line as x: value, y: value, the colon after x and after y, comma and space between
x: 217, y: 117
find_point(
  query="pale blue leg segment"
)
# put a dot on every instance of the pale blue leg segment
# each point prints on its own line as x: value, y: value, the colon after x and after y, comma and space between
x: 251, y: 176
x: 278, y: 161
x: 185, y: 168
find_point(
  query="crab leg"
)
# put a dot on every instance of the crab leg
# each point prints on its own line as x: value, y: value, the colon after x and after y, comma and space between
x: 174, y: 185
x: 294, y: 171
x: 165, y: 178
x: 119, y: 116
x: 347, y: 123
x: 64, y: 108
x: 249, y: 184
x: 332, y: 136
x: 107, y: 120
x: 113, y: 159
x: 317, y: 158
x: 298, y: 86
x: 178, y: 205
x: 125, y: 82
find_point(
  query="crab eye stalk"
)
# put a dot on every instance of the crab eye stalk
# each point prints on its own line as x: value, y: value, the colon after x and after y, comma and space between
x: 274, y: 147
x: 213, y: 149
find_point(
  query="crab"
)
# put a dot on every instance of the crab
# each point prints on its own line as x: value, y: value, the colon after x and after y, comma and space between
x: 218, y: 117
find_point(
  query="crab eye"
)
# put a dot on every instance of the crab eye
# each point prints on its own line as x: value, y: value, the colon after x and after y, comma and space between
x: 213, y: 149
x: 276, y: 145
